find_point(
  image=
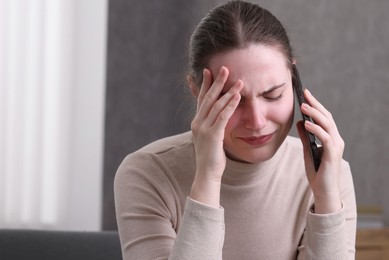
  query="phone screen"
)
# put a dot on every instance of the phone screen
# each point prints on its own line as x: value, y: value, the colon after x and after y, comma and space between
x: 300, y: 98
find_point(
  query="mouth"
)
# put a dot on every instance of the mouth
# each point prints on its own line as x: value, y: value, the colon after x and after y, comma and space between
x: 257, y: 140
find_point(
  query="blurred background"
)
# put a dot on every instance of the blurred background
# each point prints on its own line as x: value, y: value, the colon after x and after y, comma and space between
x: 83, y: 83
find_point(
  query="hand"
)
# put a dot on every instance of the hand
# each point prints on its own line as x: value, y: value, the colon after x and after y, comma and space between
x: 213, y: 113
x: 325, y: 182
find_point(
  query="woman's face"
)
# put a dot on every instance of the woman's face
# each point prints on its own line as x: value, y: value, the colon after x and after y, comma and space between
x: 265, y: 114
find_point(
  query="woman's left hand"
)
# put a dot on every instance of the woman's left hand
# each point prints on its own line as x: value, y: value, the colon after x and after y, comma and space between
x: 325, y: 182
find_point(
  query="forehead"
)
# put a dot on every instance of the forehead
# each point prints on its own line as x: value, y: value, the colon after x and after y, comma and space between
x: 257, y: 62
x: 254, y: 55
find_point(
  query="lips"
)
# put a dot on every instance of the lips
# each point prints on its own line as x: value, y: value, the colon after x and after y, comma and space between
x: 257, y: 140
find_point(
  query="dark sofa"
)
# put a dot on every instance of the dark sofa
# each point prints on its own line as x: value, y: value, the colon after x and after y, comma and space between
x: 59, y: 245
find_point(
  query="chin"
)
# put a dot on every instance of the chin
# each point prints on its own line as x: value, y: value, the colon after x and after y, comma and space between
x: 241, y: 152
x: 252, y: 156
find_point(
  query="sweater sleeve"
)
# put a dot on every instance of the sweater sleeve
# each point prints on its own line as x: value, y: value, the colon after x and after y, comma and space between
x: 145, y: 215
x: 201, y: 234
x: 147, y: 218
x: 332, y: 236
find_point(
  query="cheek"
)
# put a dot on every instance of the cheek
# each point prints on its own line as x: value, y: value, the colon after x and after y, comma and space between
x: 284, y: 112
x: 234, y: 121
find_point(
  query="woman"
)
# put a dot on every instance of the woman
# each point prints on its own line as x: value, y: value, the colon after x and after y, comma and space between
x: 237, y: 186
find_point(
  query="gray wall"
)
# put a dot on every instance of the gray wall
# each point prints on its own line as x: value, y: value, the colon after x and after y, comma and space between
x: 146, y: 97
x: 342, y: 53
x: 342, y: 48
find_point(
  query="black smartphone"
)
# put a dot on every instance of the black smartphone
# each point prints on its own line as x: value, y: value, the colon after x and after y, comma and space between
x: 296, y: 81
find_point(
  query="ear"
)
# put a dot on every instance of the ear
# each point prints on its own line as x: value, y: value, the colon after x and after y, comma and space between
x: 192, y: 86
x: 294, y: 61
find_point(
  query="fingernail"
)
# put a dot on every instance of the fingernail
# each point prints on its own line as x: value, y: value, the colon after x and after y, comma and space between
x: 308, y: 123
x: 308, y: 92
x: 305, y: 105
x: 240, y: 83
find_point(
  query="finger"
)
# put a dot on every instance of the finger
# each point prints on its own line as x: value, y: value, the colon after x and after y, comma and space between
x: 319, y: 132
x: 325, y: 122
x: 319, y: 114
x: 213, y: 93
x: 333, y: 145
x: 306, y: 147
x: 312, y: 101
x: 223, y: 102
x: 226, y: 113
x: 206, y: 84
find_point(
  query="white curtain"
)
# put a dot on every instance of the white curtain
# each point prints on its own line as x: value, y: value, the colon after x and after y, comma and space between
x: 50, y: 127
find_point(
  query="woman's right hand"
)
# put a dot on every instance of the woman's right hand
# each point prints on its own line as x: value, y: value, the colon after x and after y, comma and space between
x: 213, y: 112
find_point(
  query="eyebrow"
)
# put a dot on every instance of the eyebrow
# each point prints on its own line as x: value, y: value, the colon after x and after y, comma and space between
x: 272, y: 89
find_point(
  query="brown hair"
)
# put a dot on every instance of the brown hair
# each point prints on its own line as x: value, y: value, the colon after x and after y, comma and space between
x: 234, y: 24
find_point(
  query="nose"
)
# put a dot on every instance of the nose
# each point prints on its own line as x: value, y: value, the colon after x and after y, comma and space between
x: 254, y: 116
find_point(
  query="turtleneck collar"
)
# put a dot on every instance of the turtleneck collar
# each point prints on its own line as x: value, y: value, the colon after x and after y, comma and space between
x: 240, y: 173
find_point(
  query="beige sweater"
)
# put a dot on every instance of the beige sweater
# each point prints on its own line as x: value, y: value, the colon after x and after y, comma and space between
x: 265, y: 214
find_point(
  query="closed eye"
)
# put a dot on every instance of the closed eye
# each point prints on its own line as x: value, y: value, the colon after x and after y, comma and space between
x: 273, y: 99
x: 273, y: 94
